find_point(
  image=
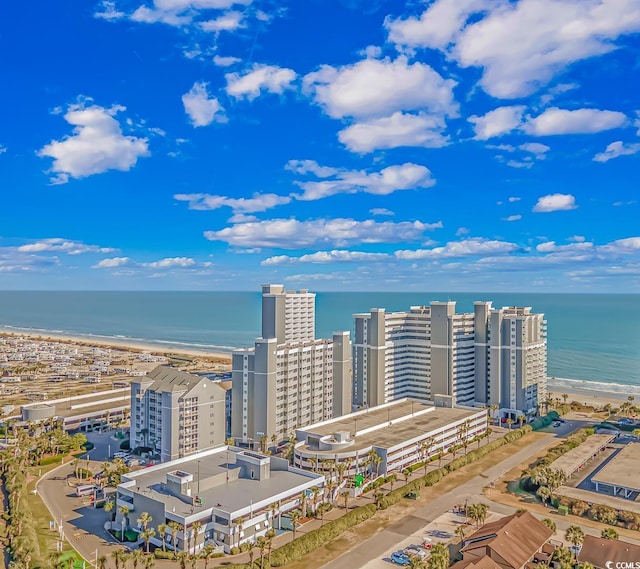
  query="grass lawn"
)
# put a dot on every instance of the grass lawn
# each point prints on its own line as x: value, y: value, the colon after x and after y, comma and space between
x: 383, y: 518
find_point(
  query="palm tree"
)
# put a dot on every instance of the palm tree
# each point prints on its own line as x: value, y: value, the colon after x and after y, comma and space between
x: 303, y: 503
x: 565, y: 397
x: 509, y: 422
x: 377, y: 499
x: 391, y: 479
x: 125, y: 512
x: 240, y: 525
x: 101, y: 562
x: 609, y: 533
x: 144, y: 520
x: 207, y: 554
x: 270, y: 535
x: 345, y: 496
x: 261, y: 544
x: 494, y: 408
x: 183, y: 557
x: 563, y: 556
x: 543, y: 493
x: 575, y: 536
x: 196, y: 531
x: 439, y: 557
x: 323, y: 509
x: 460, y: 533
x: 148, y: 562
x: 407, y: 474
x: 147, y: 534
x: 175, y: 527
x: 109, y: 506
x: 162, y: 530
x: 136, y: 556
x: 585, y: 565
x: 549, y: 523
x: 118, y: 557
x: 295, y: 516
x: 251, y: 554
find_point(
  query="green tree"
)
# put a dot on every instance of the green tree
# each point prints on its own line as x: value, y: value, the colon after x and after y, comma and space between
x: 295, y: 515
x: 609, y: 533
x: 147, y: 534
x: 549, y: 523
x: 543, y: 493
x: 439, y: 557
x: 162, y: 531
x: 575, y: 536
x: 124, y: 511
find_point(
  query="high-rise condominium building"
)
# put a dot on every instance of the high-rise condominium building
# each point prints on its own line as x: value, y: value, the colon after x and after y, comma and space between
x: 289, y: 378
x: 487, y: 357
x: 176, y: 413
x: 511, y: 357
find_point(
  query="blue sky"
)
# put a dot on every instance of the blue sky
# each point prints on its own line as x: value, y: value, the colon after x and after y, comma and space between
x: 461, y: 145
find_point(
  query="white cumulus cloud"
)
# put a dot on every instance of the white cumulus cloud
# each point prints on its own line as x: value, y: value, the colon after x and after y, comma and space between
x: 497, y: 122
x: 580, y: 121
x: 258, y: 202
x: 520, y: 46
x: 617, y: 149
x: 294, y: 234
x: 334, y: 256
x: 202, y: 108
x: 399, y: 129
x: 96, y: 145
x: 466, y: 248
x: 228, y: 22
x: 59, y: 244
x: 171, y: 263
x: 378, y: 88
x: 260, y: 78
x: 112, y: 263
x: 225, y: 61
x: 555, y: 202
x: 406, y: 176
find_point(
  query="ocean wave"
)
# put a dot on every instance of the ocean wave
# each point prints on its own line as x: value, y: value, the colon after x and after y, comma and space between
x: 589, y: 385
x: 122, y: 339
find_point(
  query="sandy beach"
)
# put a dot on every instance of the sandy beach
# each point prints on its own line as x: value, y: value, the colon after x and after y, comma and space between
x: 595, y: 397
x: 215, y: 357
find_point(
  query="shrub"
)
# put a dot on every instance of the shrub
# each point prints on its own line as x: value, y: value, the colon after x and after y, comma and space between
x: 50, y: 460
x: 603, y: 514
x: 578, y: 507
x: 235, y: 550
x: 319, y: 537
x: 163, y: 554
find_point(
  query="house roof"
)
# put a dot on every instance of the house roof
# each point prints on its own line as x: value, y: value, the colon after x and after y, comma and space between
x: 484, y: 562
x: 170, y: 379
x: 513, y: 538
x: 598, y: 551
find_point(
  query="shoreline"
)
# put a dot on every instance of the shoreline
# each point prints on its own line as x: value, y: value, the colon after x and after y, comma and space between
x: 120, y: 344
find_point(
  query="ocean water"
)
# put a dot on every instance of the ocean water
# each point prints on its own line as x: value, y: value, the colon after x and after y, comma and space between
x: 593, y: 339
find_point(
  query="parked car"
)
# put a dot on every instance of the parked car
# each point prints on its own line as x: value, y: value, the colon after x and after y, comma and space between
x: 400, y: 558
x: 414, y: 550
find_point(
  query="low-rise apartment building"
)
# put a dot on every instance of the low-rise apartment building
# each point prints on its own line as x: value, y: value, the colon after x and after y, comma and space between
x: 176, y: 413
x: 232, y: 495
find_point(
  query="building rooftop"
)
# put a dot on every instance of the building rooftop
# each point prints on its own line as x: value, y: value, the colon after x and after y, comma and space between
x: 390, y: 424
x: 514, y: 538
x: 575, y: 458
x: 83, y: 404
x: 623, y: 469
x: 168, y: 379
x: 599, y: 552
x: 216, y: 472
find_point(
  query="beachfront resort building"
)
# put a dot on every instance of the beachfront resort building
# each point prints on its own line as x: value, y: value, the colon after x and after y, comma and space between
x: 224, y: 497
x: 384, y: 439
x: 289, y: 378
x: 491, y: 356
x: 176, y: 413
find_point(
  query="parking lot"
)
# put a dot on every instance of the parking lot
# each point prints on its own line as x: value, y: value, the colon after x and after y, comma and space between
x: 441, y: 530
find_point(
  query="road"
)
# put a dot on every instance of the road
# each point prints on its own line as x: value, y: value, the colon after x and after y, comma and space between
x: 387, y: 540
x: 83, y: 525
